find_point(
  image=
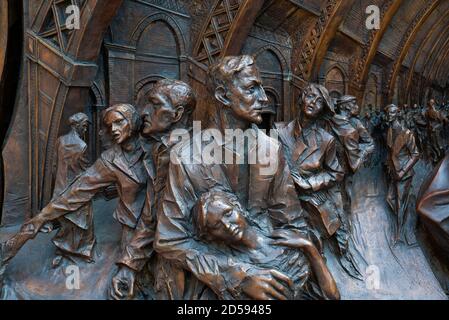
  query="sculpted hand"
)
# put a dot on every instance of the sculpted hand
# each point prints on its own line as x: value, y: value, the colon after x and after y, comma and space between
x: 301, y: 182
x: 33, y: 226
x: 292, y: 240
x: 267, y: 285
x: 123, y: 284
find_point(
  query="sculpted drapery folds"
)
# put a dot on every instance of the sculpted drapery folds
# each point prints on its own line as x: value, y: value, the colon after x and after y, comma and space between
x: 75, y: 236
x: 311, y: 151
x: 186, y: 195
x: 312, y: 157
x: 270, y: 198
x: 220, y: 220
x: 402, y: 156
x: 432, y: 206
x: 170, y: 107
x: 121, y: 165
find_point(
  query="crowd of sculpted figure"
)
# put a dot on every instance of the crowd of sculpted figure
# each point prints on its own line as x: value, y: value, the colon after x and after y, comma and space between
x: 269, y: 218
x: 311, y: 153
x: 121, y: 165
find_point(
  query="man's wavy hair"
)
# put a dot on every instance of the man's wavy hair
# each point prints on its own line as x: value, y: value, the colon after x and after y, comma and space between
x: 179, y: 93
x: 223, y: 72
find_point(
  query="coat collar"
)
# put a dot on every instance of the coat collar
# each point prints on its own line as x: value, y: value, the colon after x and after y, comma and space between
x: 126, y: 166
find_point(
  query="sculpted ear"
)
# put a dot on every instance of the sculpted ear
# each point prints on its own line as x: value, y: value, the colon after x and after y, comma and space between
x: 179, y: 112
x: 220, y: 95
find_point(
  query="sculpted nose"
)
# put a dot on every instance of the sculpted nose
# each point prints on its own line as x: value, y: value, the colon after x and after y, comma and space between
x: 262, y: 95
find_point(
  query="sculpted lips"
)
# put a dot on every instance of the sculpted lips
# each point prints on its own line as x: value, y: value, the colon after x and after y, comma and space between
x: 116, y: 136
x: 235, y: 231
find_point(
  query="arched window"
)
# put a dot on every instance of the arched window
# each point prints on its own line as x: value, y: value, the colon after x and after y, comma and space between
x: 269, y: 115
x: 371, y: 94
x: 154, y: 62
x: 335, y: 82
x: 97, y: 141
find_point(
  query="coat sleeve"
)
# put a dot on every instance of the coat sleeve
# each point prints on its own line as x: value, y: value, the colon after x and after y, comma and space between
x: 413, y: 151
x: 176, y: 239
x: 284, y: 207
x: 332, y: 171
x: 80, y: 191
x: 140, y: 249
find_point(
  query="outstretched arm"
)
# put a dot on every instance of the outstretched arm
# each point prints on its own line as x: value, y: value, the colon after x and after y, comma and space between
x: 76, y: 195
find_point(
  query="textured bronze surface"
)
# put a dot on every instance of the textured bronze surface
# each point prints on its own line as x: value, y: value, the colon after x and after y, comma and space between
x: 224, y: 149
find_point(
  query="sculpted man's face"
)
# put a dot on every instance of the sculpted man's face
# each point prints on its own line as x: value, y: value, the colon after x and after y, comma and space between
x: 355, y: 109
x: 247, y: 96
x: 159, y: 115
x: 119, y: 126
x: 225, y: 221
x: 313, y: 103
x: 82, y: 127
x: 392, y: 114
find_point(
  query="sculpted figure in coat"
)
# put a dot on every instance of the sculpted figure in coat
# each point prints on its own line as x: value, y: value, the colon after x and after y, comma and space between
x: 264, y: 188
x: 121, y: 165
x: 402, y: 156
x: 75, y: 236
x: 170, y: 107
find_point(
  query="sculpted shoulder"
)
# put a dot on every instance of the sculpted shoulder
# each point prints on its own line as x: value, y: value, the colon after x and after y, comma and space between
x: 109, y: 154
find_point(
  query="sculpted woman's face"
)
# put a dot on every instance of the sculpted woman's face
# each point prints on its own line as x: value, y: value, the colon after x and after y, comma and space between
x: 225, y: 221
x: 312, y: 103
x: 119, y: 126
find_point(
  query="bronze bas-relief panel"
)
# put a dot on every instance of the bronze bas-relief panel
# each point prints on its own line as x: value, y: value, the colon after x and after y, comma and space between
x: 118, y: 161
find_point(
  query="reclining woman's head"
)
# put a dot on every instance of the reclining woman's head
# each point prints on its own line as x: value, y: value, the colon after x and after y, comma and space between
x: 218, y: 216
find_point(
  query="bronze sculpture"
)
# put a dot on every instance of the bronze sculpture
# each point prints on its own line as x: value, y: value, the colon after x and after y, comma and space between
x: 402, y: 157
x: 312, y: 157
x: 75, y: 237
x: 49, y: 72
x: 432, y: 207
x: 239, y: 97
x: 121, y: 165
x: 219, y: 218
x: 435, y: 122
x: 171, y: 104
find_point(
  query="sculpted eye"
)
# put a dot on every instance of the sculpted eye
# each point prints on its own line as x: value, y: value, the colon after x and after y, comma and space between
x: 252, y: 89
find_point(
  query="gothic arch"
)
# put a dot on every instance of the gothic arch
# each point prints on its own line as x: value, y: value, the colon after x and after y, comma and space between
x: 336, y: 79
x: 406, y: 42
x: 66, y: 80
x: 283, y: 62
x: 147, y: 21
